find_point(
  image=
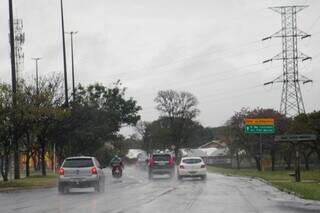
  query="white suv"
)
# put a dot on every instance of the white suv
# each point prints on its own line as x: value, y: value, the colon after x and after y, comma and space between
x: 81, y: 172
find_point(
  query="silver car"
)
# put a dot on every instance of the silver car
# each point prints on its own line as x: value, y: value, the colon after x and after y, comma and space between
x: 81, y: 172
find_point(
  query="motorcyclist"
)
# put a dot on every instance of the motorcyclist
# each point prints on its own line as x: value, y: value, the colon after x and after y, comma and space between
x: 115, y: 162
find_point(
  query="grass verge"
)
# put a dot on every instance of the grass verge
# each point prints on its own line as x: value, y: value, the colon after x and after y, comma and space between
x: 31, y: 182
x: 309, y: 188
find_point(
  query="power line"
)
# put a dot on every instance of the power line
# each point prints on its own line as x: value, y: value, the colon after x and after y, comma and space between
x: 212, y: 99
x: 189, y: 59
x: 199, y: 82
x: 314, y: 23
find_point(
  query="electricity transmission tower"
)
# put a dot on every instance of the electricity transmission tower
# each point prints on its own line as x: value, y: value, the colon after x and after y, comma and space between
x: 291, y: 98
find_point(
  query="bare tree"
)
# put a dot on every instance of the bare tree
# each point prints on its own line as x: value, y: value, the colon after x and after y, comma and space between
x: 177, y: 110
x: 177, y: 105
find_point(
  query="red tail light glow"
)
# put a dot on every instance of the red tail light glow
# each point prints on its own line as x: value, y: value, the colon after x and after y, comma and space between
x: 203, y: 166
x: 151, y: 162
x: 181, y: 167
x: 171, y: 162
x: 61, y: 171
x: 94, y: 170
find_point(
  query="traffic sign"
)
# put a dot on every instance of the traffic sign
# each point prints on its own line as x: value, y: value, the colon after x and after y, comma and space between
x: 259, y: 129
x: 296, y: 138
x: 259, y: 126
x: 259, y: 121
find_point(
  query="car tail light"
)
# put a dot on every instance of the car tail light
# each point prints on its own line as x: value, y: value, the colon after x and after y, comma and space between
x: 203, y: 166
x: 181, y: 167
x: 61, y: 171
x: 94, y: 170
x: 171, y: 162
x: 151, y: 162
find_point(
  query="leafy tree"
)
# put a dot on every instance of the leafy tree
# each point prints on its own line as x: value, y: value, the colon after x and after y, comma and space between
x: 5, y: 129
x: 307, y: 124
x: 250, y: 143
x: 96, y: 116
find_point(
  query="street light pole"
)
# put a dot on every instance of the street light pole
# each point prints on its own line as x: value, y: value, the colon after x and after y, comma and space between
x: 64, y: 59
x: 54, y: 158
x: 14, y: 91
x: 37, y: 74
x: 72, y: 63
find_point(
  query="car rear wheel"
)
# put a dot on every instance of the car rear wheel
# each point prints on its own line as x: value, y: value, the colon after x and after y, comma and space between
x: 102, y: 187
x: 150, y: 176
x: 204, y: 177
x: 61, y: 188
x: 97, y: 187
x: 179, y: 177
x: 171, y: 174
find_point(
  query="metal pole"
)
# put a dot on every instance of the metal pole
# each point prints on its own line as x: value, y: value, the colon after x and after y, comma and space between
x: 261, y: 169
x: 54, y: 158
x: 72, y: 66
x: 72, y: 33
x: 64, y: 59
x: 13, y: 59
x: 37, y: 74
x: 14, y: 91
x: 297, y: 162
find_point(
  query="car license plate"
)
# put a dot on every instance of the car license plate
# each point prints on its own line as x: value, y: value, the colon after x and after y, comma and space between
x: 77, y: 180
x: 161, y: 163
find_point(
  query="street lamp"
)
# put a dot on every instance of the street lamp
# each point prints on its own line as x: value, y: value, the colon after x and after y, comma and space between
x: 37, y: 75
x: 72, y: 62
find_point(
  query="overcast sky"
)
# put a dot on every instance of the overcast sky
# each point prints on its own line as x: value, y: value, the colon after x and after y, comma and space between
x: 211, y: 48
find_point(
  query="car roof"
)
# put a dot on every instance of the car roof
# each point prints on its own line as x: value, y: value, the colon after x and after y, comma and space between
x: 161, y: 154
x: 77, y: 157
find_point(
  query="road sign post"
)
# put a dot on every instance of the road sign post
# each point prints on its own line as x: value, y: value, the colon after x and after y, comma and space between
x: 259, y: 126
x: 296, y: 140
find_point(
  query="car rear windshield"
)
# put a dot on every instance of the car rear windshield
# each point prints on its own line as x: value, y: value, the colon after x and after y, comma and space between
x: 78, y: 163
x: 191, y: 161
x: 161, y: 157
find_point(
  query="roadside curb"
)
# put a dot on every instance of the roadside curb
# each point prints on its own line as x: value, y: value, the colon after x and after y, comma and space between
x: 272, y: 185
x: 268, y: 183
x: 18, y: 189
x: 279, y: 188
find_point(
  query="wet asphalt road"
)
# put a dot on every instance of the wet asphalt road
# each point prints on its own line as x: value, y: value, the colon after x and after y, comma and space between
x: 135, y: 193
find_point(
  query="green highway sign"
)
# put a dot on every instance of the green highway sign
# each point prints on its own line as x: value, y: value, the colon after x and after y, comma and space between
x: 259, y: 129
x: 296, y: 138
x: 259, y: 125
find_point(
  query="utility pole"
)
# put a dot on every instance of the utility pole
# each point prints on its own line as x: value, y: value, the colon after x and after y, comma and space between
x: 14, y: 91
x: 19, y: 39
x: 72, y: 63
x: 291, y: 98
x: 54, y: 158
x: 37, y: 74
x: 64, y: 59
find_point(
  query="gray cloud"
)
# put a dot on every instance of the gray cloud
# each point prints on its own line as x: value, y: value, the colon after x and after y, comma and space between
x: 210, y: 48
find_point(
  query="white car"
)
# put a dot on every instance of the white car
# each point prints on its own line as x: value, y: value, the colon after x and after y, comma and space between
x: 81, y: 172
x: 192, y: 167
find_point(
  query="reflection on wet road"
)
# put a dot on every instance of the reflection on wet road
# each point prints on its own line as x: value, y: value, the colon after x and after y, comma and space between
x: 135, y: 193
